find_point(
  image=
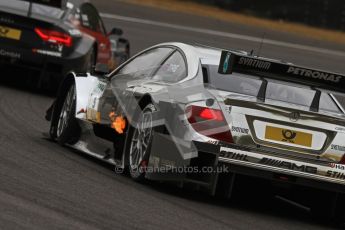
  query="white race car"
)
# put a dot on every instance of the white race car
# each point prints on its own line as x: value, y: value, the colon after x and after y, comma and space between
x: 178, y: 112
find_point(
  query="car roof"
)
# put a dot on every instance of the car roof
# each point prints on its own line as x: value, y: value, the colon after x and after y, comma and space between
x: 206, y: 54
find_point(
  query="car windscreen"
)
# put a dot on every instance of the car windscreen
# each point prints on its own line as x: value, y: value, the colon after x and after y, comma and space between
x: 22, y: 7
x: 277, y: 92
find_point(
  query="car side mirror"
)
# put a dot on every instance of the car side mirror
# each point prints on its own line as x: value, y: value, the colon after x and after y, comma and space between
x: 116, y: 31
x: 101, y: 69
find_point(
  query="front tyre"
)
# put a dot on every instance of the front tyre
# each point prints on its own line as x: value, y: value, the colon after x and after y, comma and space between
x: 140, y: 144
x: 67, y: 129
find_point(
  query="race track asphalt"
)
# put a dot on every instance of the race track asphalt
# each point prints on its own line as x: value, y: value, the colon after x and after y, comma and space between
x: 46, y: 186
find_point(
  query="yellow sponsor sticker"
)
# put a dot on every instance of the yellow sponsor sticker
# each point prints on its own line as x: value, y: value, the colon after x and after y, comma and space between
x: 93, y: 115
x: 289, y: 136
x: 11, y: 33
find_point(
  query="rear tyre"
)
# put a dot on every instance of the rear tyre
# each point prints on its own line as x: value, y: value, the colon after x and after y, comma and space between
x: 66, y: 129
x: 140, y: 144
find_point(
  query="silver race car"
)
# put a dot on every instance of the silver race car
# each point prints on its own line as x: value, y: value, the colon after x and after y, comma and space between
x: 202, y: 116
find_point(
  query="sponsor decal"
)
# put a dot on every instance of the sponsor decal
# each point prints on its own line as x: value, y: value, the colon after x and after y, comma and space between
x: 228, y: 109
x: 226, y: 63
x: 4, y: 31
x: 93, y: 115
x: 235, y: 156
x: 74, y: 32
x: 288, y: 136
x: 47, y: 52
x: 336, y: 175
x: 6, y: 20
x: 294, y: 116
x: 337, y: 166
x: 60, y: 47
x: 9, y: 54
x: 101, y: 86
x: 314, y: 74
x: 239, y: 130
x: 255, y: 158
x: 288, y: 165
x: 258, y: 64
x: 241, y: 156
x: 338, y: 148
x: 213, y: 142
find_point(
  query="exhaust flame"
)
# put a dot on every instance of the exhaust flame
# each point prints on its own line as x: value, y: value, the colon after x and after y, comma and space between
x: 117, y: 122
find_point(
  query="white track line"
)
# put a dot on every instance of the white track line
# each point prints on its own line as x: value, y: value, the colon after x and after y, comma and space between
x: 224, y: 34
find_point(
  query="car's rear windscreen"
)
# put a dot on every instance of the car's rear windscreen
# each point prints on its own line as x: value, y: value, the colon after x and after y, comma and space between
x: 22, y: 8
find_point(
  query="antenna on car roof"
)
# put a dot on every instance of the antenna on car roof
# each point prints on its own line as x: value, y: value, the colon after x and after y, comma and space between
x: 261, y: 43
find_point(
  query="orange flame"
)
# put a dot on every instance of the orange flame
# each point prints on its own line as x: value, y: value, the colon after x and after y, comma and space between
x: 117, y: 122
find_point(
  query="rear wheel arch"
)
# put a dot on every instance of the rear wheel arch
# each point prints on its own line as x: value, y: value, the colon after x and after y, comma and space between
x: 63, y: 90
x: 66, y: 83
x: 142, y: 102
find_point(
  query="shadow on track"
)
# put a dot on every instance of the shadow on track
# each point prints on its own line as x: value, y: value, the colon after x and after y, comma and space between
x: 251, y: 196
x: 25, y: 80
x: 256, y: 198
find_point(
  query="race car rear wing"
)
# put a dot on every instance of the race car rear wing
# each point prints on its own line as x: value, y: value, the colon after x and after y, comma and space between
x: 52, y: 3
x: 267, y: 68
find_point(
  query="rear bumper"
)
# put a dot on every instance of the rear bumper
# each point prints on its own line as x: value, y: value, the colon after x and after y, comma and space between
x: 289, y: 171
x: 269, y: 166
x: 49, y: 65
x: 273, y: 167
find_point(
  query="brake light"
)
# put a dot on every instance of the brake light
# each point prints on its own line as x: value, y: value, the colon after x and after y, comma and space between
x: 54, y: 37
x: 209, y: 122
x: 211, y: 114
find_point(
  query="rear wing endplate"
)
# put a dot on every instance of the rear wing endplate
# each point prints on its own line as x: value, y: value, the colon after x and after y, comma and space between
x: 267, y: 68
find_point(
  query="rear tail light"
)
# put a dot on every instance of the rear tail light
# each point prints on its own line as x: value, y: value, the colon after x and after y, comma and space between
x: 54, y: 37
x: 209, y: 122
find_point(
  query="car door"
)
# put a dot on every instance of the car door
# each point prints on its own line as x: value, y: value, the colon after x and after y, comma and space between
x: 92, y: 24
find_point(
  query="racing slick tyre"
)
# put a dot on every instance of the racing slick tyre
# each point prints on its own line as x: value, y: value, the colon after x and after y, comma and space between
x: 139, y: 145
x: 65, y: 128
